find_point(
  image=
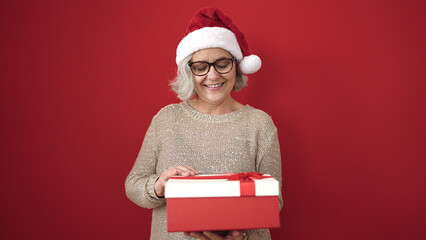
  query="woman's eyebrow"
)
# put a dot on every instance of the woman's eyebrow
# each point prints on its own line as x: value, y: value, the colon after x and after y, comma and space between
x: 221, y: 58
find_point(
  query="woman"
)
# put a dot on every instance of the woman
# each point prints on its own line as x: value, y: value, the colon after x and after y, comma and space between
x: 209, y: 132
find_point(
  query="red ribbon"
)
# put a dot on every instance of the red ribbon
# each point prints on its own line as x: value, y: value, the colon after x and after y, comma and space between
x: 247, y: 185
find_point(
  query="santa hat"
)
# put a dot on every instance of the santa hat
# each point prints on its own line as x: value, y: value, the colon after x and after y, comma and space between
x: 211, y: 28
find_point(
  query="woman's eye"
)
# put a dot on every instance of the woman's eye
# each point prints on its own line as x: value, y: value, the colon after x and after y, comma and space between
x: 222, y: 64
x: 200, y: 68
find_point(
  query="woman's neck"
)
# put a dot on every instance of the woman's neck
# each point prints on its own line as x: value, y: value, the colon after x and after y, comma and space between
x: 215, y: 108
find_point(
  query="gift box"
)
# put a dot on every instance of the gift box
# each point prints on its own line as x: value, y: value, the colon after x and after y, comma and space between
x: 222, y: 202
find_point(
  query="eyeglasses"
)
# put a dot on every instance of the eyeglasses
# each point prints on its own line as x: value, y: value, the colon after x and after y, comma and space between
x: 222, y: 66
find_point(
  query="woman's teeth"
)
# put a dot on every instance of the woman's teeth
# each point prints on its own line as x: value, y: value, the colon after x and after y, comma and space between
x: 213, y: 85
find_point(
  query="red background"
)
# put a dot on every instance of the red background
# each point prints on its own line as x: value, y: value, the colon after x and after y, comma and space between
x: 343, y: 80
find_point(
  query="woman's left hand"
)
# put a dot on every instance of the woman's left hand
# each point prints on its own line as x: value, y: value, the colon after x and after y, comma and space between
x: 232, y: 235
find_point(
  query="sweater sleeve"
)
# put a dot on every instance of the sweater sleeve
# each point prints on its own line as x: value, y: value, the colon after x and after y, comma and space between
x: 268, y: 161
x: 141, y: 179
x: 269, y: 156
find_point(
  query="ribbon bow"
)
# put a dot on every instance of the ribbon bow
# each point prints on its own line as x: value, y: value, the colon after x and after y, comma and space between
x: 247, y: 185
x: 246, y: 176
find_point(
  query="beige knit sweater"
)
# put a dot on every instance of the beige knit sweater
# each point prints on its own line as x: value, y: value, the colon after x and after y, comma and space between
x: 242, y: 141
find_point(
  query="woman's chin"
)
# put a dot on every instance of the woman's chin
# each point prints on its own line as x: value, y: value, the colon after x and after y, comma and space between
x: 215, y: 99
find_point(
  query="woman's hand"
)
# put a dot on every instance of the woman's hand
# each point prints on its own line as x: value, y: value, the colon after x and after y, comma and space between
x: 172, y: 171
x: 232, y: 235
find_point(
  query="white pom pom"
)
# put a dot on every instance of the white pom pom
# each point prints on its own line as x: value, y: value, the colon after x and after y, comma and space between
x: 250, y: 64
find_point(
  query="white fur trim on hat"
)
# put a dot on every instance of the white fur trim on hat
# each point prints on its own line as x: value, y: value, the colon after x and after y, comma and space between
x: 250, y: 64
x: 208, y: 37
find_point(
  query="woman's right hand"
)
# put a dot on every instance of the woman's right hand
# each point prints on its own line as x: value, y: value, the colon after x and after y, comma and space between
x: 172, y: 171
x: 231, y: 235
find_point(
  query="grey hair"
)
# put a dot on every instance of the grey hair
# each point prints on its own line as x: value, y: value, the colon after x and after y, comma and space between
x: 183, y: 84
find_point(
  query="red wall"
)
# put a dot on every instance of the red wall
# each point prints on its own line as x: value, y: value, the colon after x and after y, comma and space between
x: 343, y: 80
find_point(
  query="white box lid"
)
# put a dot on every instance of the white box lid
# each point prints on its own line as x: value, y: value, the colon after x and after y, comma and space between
x: 186, y: 187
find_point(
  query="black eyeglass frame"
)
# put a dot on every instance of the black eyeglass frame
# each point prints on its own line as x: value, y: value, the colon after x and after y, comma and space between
x: 233, y: 59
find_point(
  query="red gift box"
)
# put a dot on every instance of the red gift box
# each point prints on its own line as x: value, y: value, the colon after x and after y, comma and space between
x: 222, y: 202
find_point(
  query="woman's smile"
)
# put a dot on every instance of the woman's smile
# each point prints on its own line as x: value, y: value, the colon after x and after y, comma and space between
x: 214, y: 86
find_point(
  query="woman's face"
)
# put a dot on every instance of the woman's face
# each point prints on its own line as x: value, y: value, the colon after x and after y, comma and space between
x: 214, y: 88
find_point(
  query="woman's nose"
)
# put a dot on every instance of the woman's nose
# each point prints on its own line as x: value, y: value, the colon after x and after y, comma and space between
x: 212, y: 74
